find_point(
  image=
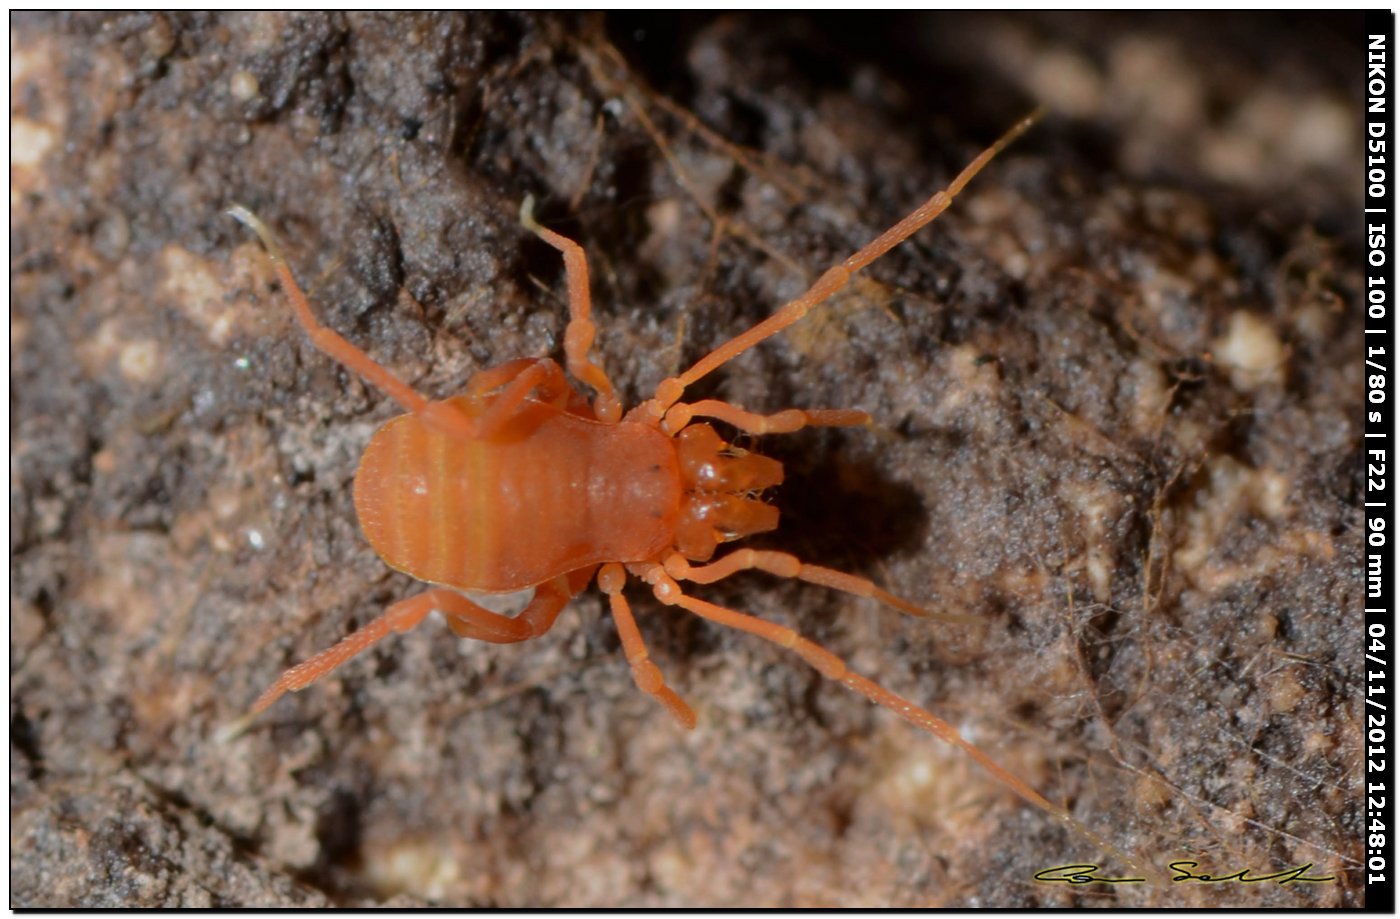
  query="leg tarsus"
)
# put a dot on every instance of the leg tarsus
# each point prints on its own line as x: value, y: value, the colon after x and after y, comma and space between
x: 645, y: 674
x: 465, y: 618
x: 580, y: 332
x: 832, y: 667
x: 440, y: 416
x: 784, y: 422
x: 784, y: 565
x: 831, y: 280
x: 400, y: 617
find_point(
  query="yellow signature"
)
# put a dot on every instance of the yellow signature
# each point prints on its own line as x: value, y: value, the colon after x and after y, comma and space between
x: 1076, y: 875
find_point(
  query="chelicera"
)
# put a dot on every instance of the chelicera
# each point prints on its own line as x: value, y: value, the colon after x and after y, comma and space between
x: 520, y: 482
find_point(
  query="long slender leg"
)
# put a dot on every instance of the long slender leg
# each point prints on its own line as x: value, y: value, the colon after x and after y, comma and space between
x: 580, y: 332
x: 401, y: 617
x: 833, y: 668
x: 789, y: 566
x: 784, y: 422
x: 439, y: 415
x: 647, y: 675
x: 835, y: 278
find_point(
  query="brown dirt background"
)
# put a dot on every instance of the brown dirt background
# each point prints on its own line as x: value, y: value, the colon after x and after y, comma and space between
x: 1118, y: 384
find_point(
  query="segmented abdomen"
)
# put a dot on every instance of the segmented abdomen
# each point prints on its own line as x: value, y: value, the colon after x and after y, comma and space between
x: 510, y: 513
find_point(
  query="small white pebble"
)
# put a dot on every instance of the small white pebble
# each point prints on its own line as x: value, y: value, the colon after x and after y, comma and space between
x: 244, y: 86
x: 1252, y: 351
x: 139, y: 361
x: 29, y: 141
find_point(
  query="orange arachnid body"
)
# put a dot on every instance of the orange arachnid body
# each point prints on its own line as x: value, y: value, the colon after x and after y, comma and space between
x: 559, y: 494
x: 520, y: 482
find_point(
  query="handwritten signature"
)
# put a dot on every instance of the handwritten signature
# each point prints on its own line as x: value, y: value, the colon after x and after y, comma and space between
x: 1076, y: 875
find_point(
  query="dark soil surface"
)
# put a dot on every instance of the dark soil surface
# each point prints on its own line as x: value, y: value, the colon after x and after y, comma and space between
x: 1117, y: 389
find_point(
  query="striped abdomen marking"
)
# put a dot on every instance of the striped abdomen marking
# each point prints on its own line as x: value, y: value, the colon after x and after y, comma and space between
x: 557, y: 494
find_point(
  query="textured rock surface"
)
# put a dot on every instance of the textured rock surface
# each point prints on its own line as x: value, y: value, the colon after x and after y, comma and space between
x: 1118, y: 386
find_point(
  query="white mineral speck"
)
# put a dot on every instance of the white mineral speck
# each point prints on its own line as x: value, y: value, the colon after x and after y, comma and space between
x: 243, y: 85
x: 1251, y: 350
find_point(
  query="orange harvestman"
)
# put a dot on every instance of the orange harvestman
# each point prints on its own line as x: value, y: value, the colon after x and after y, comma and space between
x: 520, y: 482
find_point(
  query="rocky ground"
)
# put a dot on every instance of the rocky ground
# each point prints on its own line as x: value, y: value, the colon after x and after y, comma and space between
x: 1117, y: 388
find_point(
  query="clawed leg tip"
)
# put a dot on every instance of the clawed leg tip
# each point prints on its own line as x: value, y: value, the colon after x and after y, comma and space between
x: 685, y: 716
x: 246, y: 217
x: 250, y: 220
x: 234, y: 729
x: 527, y: 213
